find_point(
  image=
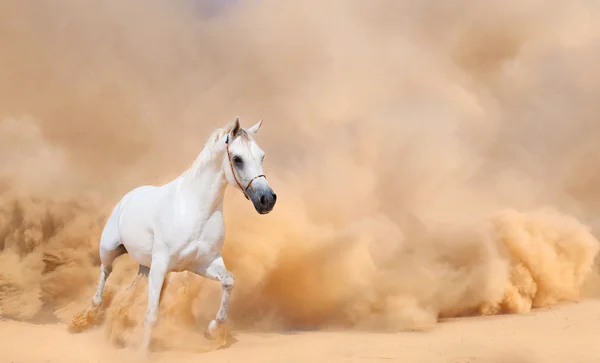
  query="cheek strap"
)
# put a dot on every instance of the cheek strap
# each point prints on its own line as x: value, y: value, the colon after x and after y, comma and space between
x: 244, y: 190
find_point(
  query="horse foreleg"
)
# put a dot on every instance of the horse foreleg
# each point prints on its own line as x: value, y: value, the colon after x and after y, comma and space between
x: 217, y: 271
x: 142, y: 270
x: 156, y: 278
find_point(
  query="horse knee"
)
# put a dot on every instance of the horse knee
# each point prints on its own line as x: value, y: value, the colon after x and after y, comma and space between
x: 228, y: 281
x: 96, y: 300
x: 107, y: 269
x: 151, y: 318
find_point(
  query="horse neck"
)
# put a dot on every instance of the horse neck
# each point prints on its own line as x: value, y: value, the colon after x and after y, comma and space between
x: 205, y: 181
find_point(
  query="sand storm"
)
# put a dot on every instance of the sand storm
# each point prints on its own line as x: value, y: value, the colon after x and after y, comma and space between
x: 431, y: 161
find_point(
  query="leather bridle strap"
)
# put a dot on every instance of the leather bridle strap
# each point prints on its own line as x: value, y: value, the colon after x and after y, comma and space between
x: 244, y: 190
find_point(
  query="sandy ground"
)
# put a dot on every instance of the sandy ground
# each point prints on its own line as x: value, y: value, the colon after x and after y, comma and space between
x: 568, y: 333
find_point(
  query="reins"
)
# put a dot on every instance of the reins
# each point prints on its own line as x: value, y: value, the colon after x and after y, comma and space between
x: 233, y: 172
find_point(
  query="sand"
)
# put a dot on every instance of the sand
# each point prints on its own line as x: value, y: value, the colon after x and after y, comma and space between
x: 562, y: 334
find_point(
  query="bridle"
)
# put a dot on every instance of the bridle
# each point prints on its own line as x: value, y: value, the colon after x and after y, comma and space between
x: 244, y: 190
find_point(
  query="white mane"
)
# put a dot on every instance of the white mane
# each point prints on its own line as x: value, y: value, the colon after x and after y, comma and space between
x: 207, y: 154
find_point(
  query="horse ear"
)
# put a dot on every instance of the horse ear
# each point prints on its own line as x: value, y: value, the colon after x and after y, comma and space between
x: 254, y: 129
x: 234, y: 128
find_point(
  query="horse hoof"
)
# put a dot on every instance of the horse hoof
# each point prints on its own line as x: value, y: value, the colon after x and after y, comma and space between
x: 214, y: 330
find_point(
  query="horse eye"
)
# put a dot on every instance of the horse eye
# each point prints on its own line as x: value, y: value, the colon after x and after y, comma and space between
x: 237, y: 160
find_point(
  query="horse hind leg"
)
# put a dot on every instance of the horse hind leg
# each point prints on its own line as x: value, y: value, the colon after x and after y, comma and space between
x: 92, y: 315
x: 110, y: 249
x: 107, y: 257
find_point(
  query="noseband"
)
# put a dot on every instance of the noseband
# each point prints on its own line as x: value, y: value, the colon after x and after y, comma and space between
x: 244, y: 190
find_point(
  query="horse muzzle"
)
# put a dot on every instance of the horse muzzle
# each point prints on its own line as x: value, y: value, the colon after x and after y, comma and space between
x: 263, y: 198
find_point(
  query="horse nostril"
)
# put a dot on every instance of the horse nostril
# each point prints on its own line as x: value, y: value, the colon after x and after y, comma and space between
x: 263, y: 200
x: 274, y: 197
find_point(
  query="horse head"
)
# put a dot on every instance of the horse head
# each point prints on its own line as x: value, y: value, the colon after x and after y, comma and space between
x: 243, y: 166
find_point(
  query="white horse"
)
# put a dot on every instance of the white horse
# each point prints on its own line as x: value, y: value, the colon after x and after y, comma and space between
x: 179, y: 226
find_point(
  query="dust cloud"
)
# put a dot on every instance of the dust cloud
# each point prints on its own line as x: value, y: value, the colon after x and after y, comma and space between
x: 431, y: 160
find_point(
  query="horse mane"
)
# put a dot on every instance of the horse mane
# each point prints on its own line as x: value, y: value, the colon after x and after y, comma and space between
x: 207, y: 152
x: 220, y: 132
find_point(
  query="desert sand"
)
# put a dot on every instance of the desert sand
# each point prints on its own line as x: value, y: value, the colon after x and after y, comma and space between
x: 436, y: 165
x: 565, y: 334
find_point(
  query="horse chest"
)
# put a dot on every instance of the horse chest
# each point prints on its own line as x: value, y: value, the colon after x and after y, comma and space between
x: 196, y: 253
x: 199, y: 243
